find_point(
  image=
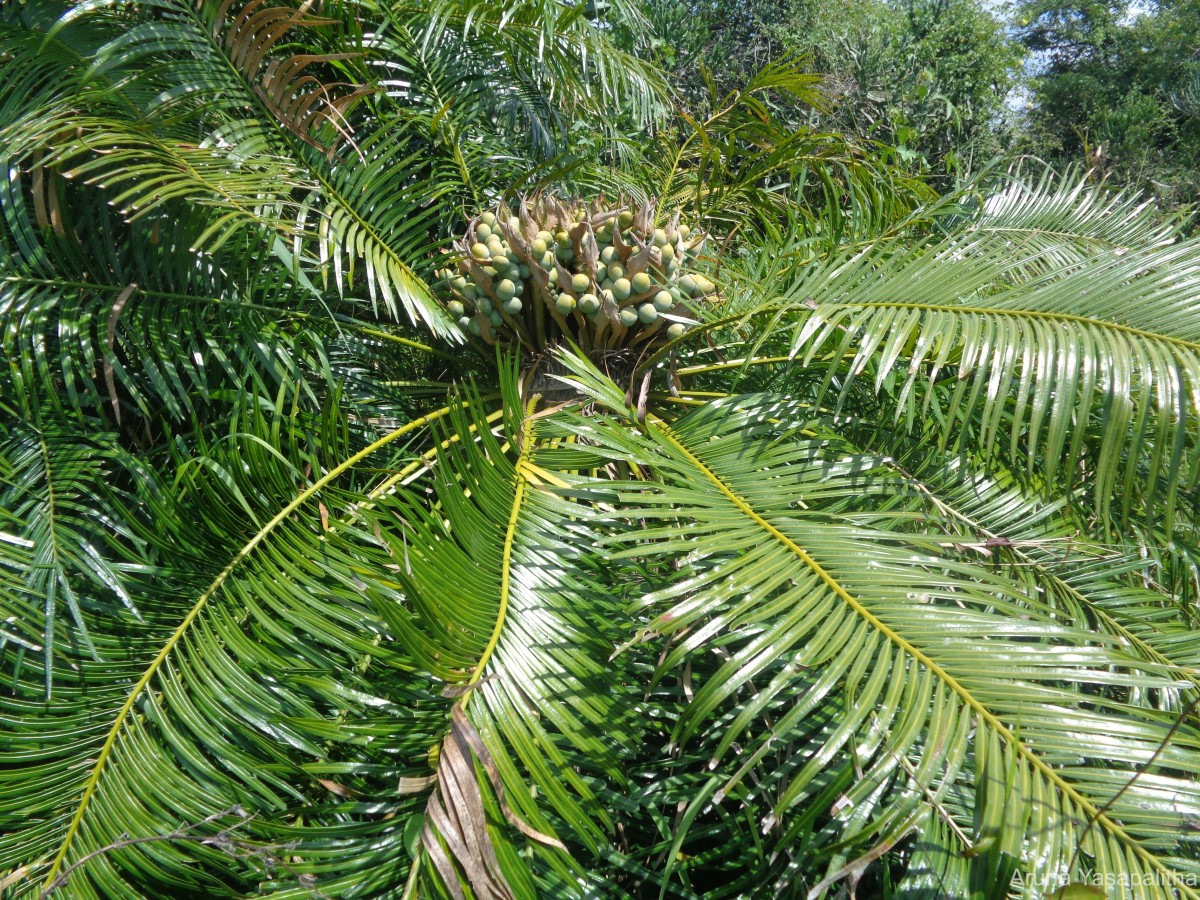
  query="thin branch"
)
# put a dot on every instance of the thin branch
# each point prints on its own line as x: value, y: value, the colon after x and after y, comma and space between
x: 223, y: 840
x: 1102, y: 811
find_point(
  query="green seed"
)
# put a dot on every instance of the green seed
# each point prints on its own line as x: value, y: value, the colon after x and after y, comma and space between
x: 621, y: 288
x: 464, y: 323
x: 660, y: 237
x: 506, y: 289
x: 480, y: 251
x: 565, y: 304
x: 676, y: 330
x: 626, y: 219
x: 501, y: 263
x: 488, y: 218
x: 496, y: 318
x: 475, y: 328
x: 663, y: 301
x: 647, y: 313
x: 460, y: 283
x: 628, y: 316
x: 688, y: 283
x: 548, y: 261
x: 580, y: 283
x: 640, y: 283
x: 588, y: 304
x: 615, y: 271
x: 513, y: 306
x: 538, y: 247
x: 455, y: 309
x: 608, y: 255
x: 482, y: 232
x: 485, y: 306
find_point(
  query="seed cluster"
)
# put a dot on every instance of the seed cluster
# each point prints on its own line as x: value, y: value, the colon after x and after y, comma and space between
x: 603, y: 276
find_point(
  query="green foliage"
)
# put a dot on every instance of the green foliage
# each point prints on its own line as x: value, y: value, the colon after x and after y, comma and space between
x: 731, y: 162
x: 882, y: 577
x: 925, y: 77
x: 1113, y: 92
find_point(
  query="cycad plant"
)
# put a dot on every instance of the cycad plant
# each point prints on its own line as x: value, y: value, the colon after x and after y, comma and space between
x: 877, y: 576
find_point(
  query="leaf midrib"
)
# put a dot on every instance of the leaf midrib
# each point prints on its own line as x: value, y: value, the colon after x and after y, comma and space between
x: 510, y: 536
x: 1150, y: 652
x: 57, y: 554
x: 277, y: 311
x: 1030, y: 314
x: 745, y: 316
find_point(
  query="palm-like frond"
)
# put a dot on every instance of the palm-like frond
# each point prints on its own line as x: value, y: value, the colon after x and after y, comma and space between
x: 482, y: 590
x: 144, y: 668
x: 862, y: 661
x: 1056, y: 212
x: 258, y: 172
x: 52, y: 495
x: 222, y: 633
x: 734, y: 166
x: 554, y: 47
x: 1059, y: 350
x: 500, y: 609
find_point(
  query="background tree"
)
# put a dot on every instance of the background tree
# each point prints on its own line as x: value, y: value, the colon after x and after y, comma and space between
x: 925, y: 77
x: 1115, y: 89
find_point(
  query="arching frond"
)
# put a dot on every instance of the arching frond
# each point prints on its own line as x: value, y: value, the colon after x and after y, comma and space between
x: 1061, y: 213
x: 499, y: 607
x: 258, y: 171
x: 199, y: 718
x: 484, y: 591
x: 850, y: 666
x: 54, y: 490
x: 1083, y: 364
x: 554, y: 46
